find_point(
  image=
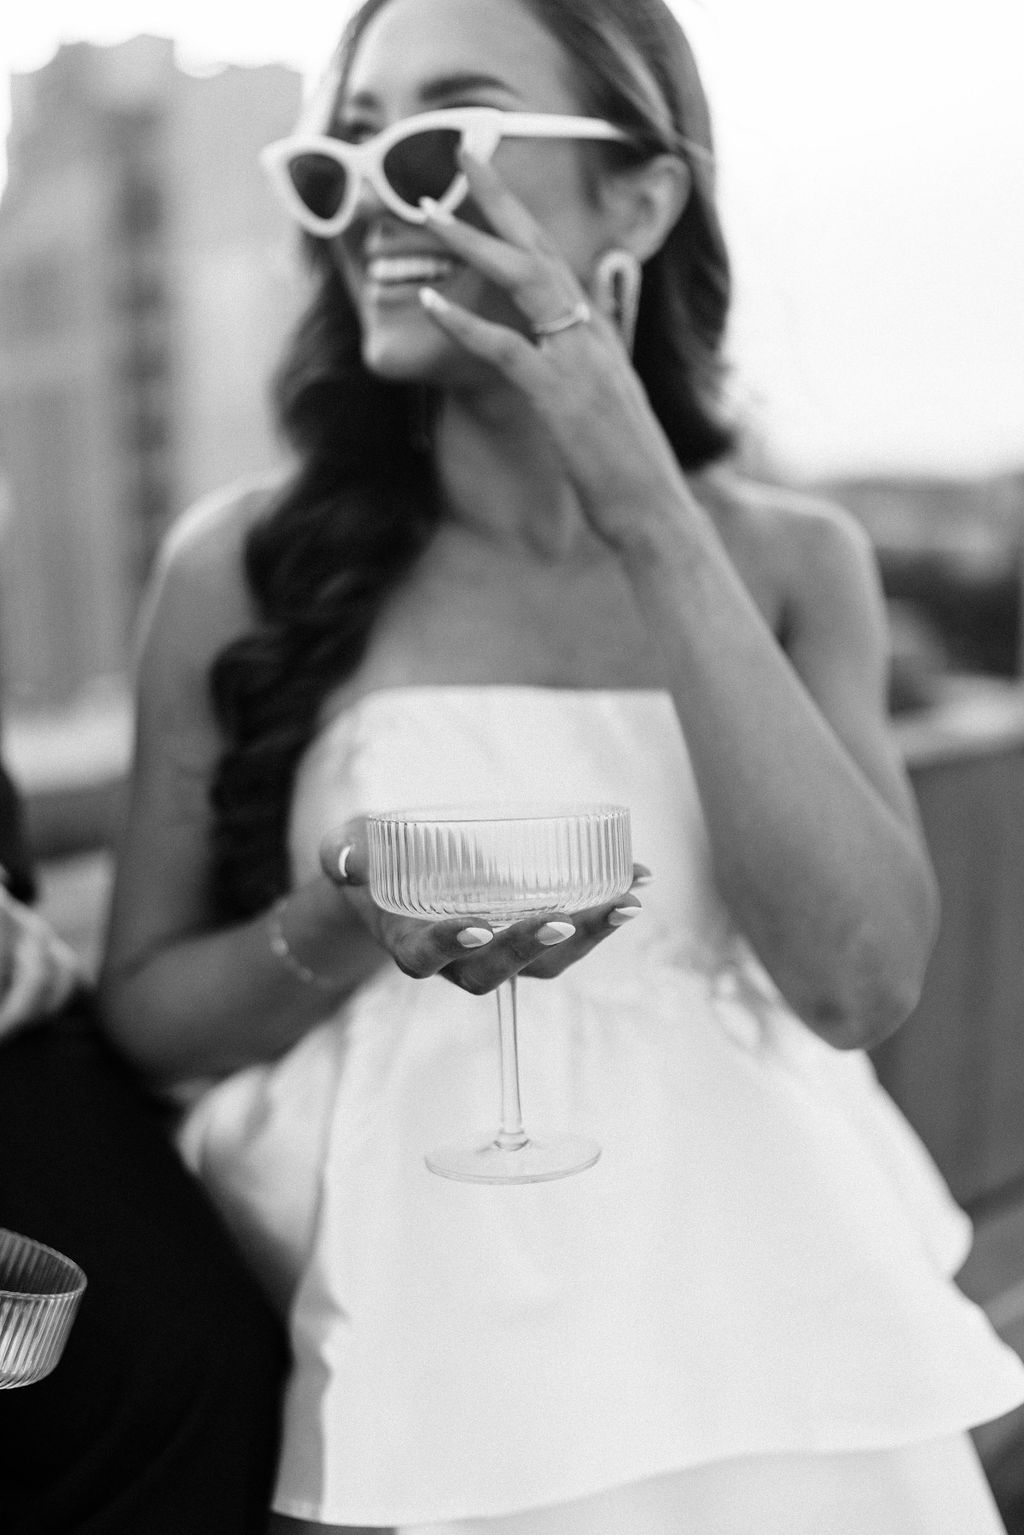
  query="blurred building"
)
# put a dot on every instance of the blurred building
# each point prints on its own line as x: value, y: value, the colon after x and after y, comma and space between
x: 952, y: 550
x: 145, y: 290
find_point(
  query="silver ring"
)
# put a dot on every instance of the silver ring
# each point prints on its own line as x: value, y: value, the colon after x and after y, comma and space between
x: 343, y: 858
x: 579, y: 314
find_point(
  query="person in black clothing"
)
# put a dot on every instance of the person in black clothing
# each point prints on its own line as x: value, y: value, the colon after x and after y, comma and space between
x: 162, y: 1416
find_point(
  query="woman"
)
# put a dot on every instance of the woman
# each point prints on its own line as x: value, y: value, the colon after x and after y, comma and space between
x: 509, y: 564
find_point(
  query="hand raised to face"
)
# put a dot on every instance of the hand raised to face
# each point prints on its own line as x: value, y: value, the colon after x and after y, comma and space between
x: 570, y: 363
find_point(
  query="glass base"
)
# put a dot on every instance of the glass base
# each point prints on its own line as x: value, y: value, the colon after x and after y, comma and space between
x: 535, y: 1161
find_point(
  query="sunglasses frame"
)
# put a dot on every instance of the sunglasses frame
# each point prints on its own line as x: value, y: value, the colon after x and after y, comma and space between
x: 482, y: 130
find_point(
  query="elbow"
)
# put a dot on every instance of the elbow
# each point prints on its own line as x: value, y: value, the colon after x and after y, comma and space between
x: 878, y: 982
x: 863, y: 1016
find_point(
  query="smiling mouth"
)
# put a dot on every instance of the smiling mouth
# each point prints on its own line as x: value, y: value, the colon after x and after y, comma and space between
x: 386, y: 272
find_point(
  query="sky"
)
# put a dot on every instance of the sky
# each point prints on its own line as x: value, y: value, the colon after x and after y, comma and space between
x: 872, y: 184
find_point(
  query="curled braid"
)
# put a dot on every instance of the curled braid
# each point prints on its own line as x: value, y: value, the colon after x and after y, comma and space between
x: 340, y: 535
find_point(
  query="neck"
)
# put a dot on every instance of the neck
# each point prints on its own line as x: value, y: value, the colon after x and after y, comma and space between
x: 501, y: 475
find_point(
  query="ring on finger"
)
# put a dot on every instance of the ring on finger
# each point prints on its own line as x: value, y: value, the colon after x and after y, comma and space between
x: 579, y: 314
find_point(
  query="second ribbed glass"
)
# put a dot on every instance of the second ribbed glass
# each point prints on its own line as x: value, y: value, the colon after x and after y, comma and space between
x: 39, y: 1294
x: 502, y: 866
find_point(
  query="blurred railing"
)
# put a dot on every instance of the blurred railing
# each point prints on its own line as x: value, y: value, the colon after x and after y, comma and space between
x: 956, y: 1068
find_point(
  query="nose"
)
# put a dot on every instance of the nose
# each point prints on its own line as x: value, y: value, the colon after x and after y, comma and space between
x: 367, y: 203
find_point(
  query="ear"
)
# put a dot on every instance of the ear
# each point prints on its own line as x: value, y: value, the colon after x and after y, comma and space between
x: 645, y: 202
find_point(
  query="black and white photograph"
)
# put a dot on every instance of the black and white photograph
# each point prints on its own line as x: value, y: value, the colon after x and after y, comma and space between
x: 512, y: 768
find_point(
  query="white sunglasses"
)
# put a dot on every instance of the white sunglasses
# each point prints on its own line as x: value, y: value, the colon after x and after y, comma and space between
x: 319, y: 178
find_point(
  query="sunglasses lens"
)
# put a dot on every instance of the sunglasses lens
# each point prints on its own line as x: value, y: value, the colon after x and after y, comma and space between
x: 423, y: 165
x: 320, y: 182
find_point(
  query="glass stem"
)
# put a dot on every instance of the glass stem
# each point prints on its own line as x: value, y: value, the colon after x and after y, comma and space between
x: 511, y: 1136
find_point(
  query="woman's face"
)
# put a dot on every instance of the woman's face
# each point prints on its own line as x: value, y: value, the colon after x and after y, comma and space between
x: 419, y: 55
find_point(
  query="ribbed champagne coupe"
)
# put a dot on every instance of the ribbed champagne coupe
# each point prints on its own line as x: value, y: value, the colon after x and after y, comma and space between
x: 502, y: 866
x: 39, y: 1294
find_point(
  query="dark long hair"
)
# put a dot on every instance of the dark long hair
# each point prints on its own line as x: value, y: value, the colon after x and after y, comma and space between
x: 361, y: 504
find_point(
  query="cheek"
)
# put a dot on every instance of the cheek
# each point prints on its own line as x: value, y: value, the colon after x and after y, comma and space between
x: 345, y: 265
x: 551, y: 181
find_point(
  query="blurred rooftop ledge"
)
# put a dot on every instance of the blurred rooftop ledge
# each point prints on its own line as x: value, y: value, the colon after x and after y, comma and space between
x: 968, y: 716
x: 70, y: 766
x: 955, y: 1065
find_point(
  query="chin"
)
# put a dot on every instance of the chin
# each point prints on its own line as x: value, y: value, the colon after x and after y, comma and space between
x: 425, y: 358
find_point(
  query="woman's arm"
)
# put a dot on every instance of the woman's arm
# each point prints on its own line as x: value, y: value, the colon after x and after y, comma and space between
x: 186, y: 999
x: 183, y: 998
x: 814, y: 833
x: 814, y: 837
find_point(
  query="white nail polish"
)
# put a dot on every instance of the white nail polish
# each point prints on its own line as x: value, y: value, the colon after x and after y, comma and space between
x: 474, y: 937
x: 623, y: 914
x: 554, y: 932
x: 436, y: 212
x: 433, y: 302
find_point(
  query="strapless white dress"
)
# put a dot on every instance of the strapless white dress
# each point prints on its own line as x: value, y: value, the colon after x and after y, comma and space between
x: 757, y: 1266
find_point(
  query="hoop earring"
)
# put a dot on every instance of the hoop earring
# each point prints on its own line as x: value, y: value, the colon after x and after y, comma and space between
x: 617, y: 280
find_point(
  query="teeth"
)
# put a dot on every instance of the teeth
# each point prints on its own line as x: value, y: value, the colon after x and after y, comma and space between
x: 398, y: 269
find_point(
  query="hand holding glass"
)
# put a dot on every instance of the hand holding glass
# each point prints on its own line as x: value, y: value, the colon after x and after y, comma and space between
x: 502, y: 866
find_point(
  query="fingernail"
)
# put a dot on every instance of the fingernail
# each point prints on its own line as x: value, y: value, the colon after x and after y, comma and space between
x: 623, y: 914
x: 434, y: 211
x: 554, y: 932
x: 641, y: 880
x: 474, y: 937
x: 432, y: 300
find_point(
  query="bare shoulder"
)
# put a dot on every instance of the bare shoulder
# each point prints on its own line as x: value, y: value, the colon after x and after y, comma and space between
x: 196, y: 604
x: 198, y: 596
x: 793, y: 549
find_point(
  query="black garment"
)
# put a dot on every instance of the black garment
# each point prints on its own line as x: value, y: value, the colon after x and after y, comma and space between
x: 14, y: 856
x: 162, y: 1416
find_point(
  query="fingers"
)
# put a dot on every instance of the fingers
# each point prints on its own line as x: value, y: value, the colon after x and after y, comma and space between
x: 537, y: 279
x: 506, y: 350
x: 511, y: 951
x: 43, y: 972
x: 510, y: 266
x: 592, y: 927
x: 470, y: 953
x: 477, y: 959
x: 504, y: 212
x: 544, y: 947
x: 421, y: 949
x: 518, y: 257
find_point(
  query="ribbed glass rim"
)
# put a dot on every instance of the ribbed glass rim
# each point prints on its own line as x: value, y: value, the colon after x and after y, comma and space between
x: 15, y: 1241
x: 471, y: 814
